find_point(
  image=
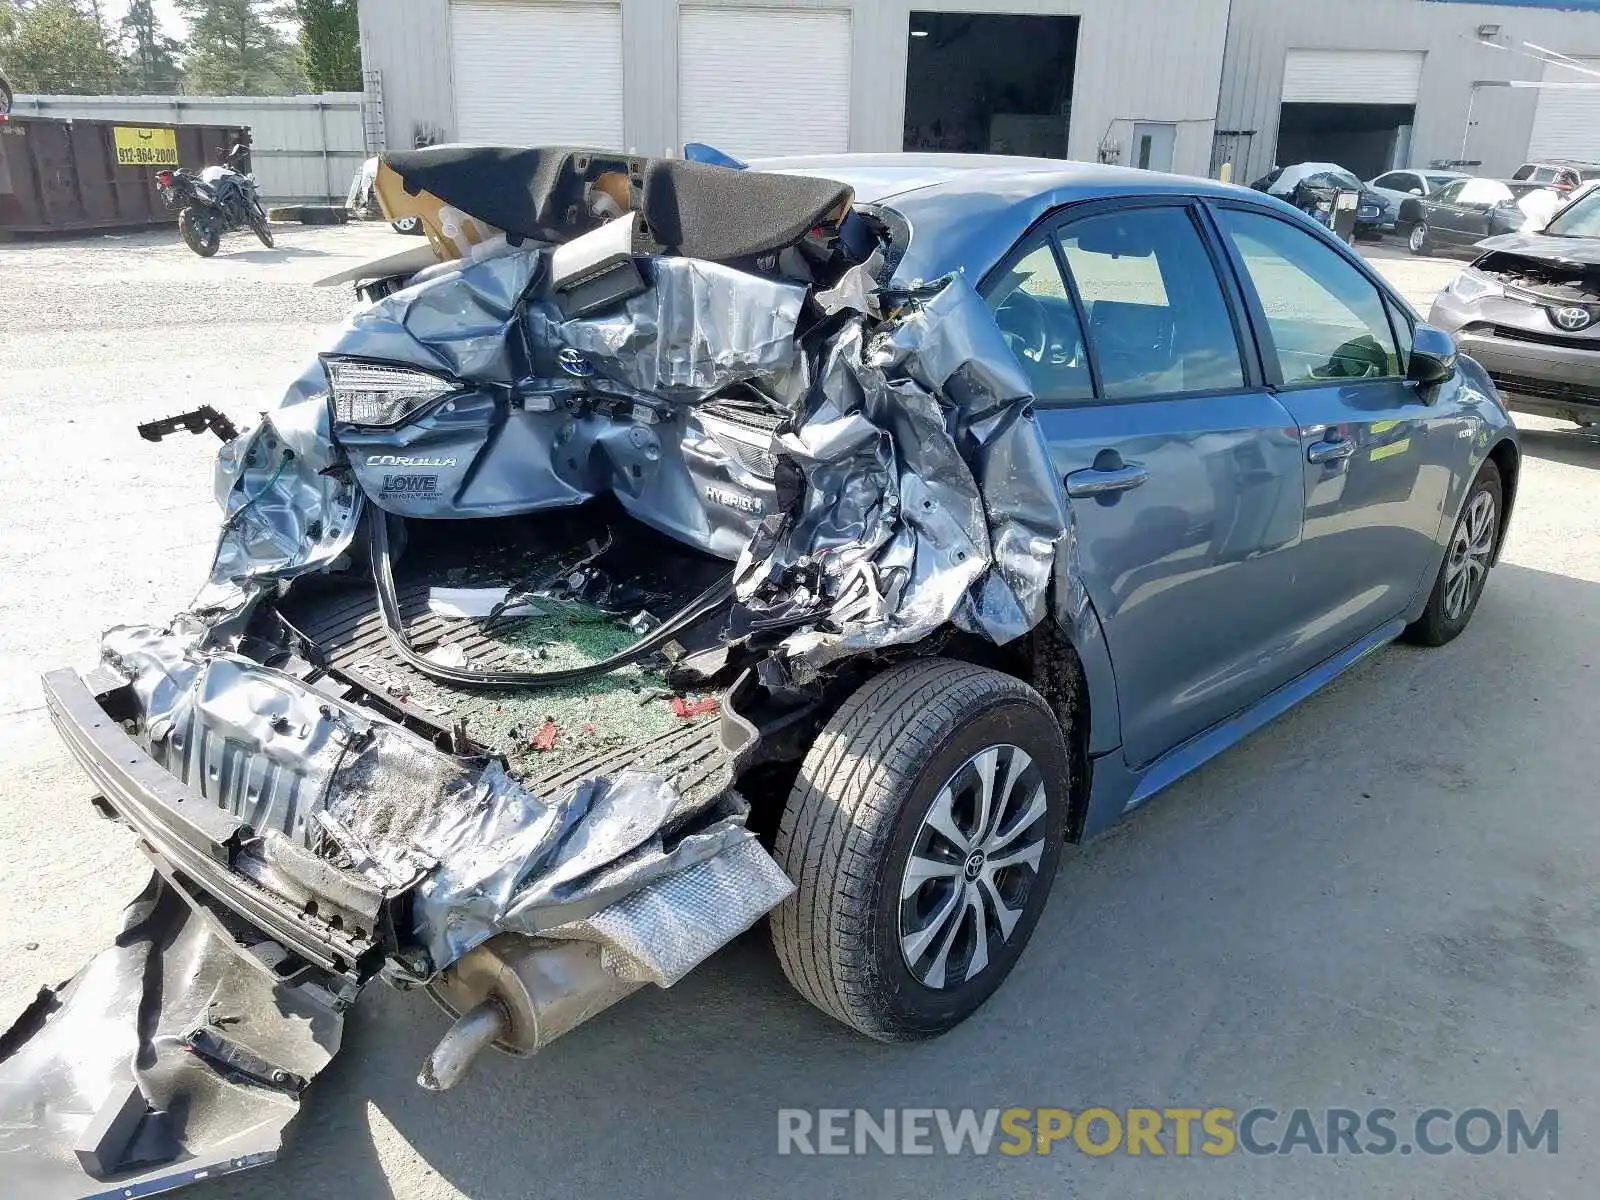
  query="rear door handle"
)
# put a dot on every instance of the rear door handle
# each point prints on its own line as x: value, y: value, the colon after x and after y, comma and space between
x: 1330, y: 451
x: 1094, y: 482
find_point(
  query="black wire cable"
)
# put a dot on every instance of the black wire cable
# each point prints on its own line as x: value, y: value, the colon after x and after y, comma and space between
x: 696, y: 610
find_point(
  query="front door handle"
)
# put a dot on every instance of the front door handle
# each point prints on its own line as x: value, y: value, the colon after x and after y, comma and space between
x: 1093, y: 481
x: 1330, y: 451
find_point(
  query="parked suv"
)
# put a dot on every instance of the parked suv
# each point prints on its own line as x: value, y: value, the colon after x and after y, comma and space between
x: 1564, y: 173
x: 1528, y: 309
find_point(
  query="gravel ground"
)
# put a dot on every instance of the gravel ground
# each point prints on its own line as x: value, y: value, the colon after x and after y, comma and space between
x: 1386, y: 898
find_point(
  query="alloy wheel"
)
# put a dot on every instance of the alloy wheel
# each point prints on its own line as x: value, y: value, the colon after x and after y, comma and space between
x: 1418, y: 240
x: 972, y: 864
x: 1470, y: 550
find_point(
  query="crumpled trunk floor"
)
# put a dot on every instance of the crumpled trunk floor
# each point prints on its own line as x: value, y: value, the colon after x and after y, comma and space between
x: 551, y: 737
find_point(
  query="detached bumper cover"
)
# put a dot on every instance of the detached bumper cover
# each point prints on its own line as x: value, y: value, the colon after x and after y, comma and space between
x: 170, y: 1058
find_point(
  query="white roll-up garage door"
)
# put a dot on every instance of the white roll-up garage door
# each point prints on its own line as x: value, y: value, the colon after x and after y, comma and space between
x: 1566, y: 123
x: 1352, y: 77
x: 530, y: 74
x: 756, y: 81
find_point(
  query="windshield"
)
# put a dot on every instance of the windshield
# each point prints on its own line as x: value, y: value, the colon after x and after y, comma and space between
x: 1435, y: 182
x: 1579, y: 219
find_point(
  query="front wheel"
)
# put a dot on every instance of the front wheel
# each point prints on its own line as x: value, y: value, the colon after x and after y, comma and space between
x: 923, y: 833
x: 1417, y: 242
x: 1465, y: 569
x: 199, y: 232
x: 258, y: 224
x: 411, y: 226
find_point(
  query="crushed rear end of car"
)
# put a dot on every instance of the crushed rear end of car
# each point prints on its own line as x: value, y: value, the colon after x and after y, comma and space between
x: 565, y: 544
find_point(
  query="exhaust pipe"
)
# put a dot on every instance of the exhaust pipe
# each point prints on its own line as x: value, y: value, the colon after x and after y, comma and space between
x: 517, y: 994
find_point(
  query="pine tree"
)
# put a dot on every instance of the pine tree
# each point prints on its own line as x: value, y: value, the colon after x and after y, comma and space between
x: 330, y: 44
x: 234, y: 49
x: 57, y: 47
x: 150, y: 57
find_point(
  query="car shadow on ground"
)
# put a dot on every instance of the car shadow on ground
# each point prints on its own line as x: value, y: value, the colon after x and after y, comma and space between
x: 1364, y: 898
x: 1571, y: 445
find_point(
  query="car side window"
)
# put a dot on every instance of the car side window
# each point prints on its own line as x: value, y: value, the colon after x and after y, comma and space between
x: 1157, y: 321
x: 1034, y: 310
x: 1397, y: 181
x: 1326, y: 318
x: 1541, y: 175
x: 1484, y: 191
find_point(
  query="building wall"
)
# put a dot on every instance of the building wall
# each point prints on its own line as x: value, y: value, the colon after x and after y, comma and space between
x: 1138, y: 60
x: 1261, y: 33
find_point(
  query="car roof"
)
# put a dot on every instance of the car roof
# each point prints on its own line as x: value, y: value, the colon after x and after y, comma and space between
x: 967, y: 210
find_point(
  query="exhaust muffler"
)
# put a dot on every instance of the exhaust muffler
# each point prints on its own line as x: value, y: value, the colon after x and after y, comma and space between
x: 517, y: 994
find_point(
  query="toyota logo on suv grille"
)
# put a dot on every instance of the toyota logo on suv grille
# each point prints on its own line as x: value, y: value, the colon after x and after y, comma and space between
x: 1572, y: 318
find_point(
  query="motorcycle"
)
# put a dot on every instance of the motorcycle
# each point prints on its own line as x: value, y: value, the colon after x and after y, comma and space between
x: 218, y: 200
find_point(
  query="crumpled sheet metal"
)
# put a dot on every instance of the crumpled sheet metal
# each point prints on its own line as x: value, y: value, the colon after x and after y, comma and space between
x: 121, y: 1022
x: 490, y: 855
x: 282, y: 514
x: 925, y: 497
x: 510, y: 861
x: 699, y: 327
x: 660, y: 932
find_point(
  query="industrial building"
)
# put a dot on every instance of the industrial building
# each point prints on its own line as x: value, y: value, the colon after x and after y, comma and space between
x: 1374, y: 84
x: 1129, y: 80
x: 1182, y: 85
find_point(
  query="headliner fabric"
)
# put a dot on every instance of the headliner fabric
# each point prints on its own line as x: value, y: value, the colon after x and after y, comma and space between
x: 706, y: 211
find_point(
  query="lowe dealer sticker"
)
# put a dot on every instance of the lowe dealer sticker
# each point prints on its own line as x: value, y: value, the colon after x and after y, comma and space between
x: 139, y: 147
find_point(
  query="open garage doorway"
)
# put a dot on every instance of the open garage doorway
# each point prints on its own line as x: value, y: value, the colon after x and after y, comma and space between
x: 983, y: 83
x: 1368, y: 139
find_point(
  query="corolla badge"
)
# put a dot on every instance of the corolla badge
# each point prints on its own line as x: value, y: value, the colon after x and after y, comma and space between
x: 574, y: 363
x: 1572, y: 318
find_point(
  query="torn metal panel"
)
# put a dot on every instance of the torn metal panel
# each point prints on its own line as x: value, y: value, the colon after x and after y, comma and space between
x: 287, y: 511
x: 922, y: 491
x: 353, y: 811
x: 700, y: 327
x: 170, y: 1058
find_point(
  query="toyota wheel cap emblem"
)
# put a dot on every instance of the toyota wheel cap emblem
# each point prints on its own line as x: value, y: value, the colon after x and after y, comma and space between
x: 1572, y: 318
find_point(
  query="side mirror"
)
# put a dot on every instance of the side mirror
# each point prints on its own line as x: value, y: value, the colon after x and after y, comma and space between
x: 1417, y: 192
x: 1433, y: 356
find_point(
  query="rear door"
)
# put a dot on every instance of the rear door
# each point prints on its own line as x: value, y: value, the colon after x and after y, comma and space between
x: 1476, y: 200
x: 1445, y: 217
x: 1184, y: 471
x: 1376, y: 456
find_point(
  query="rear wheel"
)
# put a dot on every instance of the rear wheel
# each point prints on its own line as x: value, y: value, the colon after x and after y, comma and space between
x: 408, y: 225
x: 923, y: 834
x: 1465, y: 569
x: 199, y: 232
x: 1417, y: 240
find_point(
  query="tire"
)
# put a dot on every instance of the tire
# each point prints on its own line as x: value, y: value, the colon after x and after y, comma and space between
x: 411, y: 226
x: 860, y: 812
x: 1417, y: 240
x: 200, y: 235
x: 258, y: 223
x: 1473, y: 542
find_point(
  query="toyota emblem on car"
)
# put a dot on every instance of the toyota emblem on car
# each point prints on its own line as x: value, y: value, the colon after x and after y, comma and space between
x: 573, y: 362
x: 1572, y: 318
